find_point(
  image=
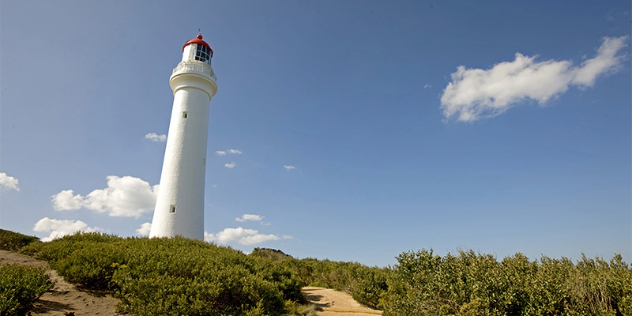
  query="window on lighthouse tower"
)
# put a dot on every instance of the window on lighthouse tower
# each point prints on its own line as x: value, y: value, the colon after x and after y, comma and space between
x: 203, y: 54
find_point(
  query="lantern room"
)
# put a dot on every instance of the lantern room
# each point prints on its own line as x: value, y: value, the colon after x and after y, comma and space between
x: 197, y: 49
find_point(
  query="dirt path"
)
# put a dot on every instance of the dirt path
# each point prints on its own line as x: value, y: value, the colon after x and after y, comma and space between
x: 336, y: 303
x: 64, y: 298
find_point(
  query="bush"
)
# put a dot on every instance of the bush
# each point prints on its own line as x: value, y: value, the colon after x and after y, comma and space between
x: 272, y: 254
x: 172, y: 276
x: 14, y: 241
x: 177, y: 277
x: 370, y: 286
x: 91, y: 266
x: 474, y: 284
x: 20, y: 286
x: 187, y: 277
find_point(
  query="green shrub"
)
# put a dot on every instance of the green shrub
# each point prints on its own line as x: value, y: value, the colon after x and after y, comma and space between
x: 91, y: 266
x: 296, y: 309
x: 177, y: 276
x: 186, y: 277
x: 20, y: 286
x: 601, y: 287
x: 301, y: 268
x: 267, y: 253
x: 370, y: 286
x: 14, y: 241
x: 172, y: 276
x: 474, y: 284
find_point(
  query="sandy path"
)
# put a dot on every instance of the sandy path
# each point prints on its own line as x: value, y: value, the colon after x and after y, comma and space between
x: 336, y: 303
x: 64, y: 298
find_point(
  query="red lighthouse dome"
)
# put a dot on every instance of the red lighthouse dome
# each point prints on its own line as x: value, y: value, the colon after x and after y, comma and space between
x: 198, y: 40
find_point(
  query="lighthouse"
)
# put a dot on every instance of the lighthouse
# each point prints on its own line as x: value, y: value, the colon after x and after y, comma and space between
x: 180, y: 205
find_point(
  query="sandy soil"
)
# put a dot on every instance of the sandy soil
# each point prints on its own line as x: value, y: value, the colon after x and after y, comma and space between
x: 336, y: 303
x: 64, y: 298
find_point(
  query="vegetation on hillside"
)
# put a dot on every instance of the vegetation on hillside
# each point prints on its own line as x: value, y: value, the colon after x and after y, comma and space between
x: 365, y: 284
x: 14, y: 241
x: 20, y: 286
x: 173, y: 276
x: 186, y: 277
x: 474, y: 284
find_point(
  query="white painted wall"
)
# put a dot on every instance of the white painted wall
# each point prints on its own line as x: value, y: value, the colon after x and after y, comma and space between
x: 188, y: 53
x: 182, y: 179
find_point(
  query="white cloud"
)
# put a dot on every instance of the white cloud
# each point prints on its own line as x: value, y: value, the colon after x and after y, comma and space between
x: 478, y: 93
x: 240, y: 235
x: 144, y: 229
x: 427, y: 85
x: 125, y: 196
x: 606, y: 61
x: 8, y: 182
x: 229, y: 152
x: 67, y: 201
x: 257, y: 239
x: 59, y: 228
x: 156, y: 138
x: 249, y: 217
x: 230, y: 165
x: 288, y: 168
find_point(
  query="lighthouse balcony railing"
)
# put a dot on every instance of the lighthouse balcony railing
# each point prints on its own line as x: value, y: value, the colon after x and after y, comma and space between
x: 196, y: 67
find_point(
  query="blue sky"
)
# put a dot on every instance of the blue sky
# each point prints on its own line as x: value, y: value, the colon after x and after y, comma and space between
x: 501, y: 127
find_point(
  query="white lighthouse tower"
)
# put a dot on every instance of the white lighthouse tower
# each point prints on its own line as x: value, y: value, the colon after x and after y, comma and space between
x: 180, y: 204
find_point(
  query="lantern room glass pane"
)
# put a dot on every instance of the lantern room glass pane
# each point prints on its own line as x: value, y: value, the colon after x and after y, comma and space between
x: 202, y: 54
